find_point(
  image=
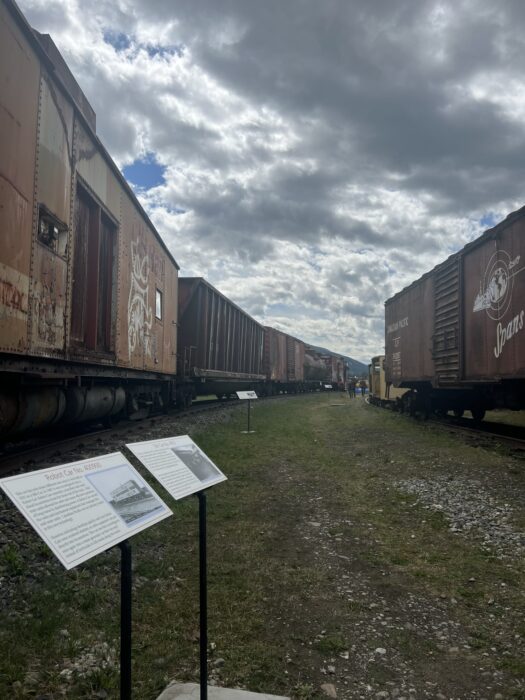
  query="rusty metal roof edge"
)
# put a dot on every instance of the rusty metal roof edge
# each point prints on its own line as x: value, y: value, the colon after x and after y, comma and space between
x: 32, y: 37
x: 486, y: 235
x: 293, y: 337
x: 196, y: 281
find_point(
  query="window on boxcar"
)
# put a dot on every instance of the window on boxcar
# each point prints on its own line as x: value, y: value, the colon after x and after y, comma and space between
x: 158, y: 304
x: 94, y: 244
x: 51, y: 231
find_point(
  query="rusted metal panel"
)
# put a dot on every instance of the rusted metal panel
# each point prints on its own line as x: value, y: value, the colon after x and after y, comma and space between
x: 96, y: 173
x: 19, y: 77
x: 494, y: 303
x: 55, y: 151
x: 215, y: 334
x: 275, y: 355
x: 48, y: 302
x: 409, y: 327
x: 60, y: 67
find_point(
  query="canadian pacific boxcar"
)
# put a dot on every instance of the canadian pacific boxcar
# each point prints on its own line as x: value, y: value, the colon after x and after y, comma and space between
x: 88, y: 290
x: 456, y: 336
x: 220, y: 345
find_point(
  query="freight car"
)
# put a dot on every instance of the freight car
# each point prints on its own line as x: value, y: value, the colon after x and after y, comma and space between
x: 326, y: 367
x: 382, y: 393
x: 456, y: 337
x: 284, y: 358
x: 220, y: 345
x: 88, y: 289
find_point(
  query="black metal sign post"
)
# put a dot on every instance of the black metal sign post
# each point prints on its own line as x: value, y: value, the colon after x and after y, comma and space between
x: 203, y: 595
x: 125, y: 621
x: 249, y: 407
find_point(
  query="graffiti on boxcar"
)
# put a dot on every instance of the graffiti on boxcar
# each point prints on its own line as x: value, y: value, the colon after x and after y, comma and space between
x: 140, y: 315
x: 49, y: 313
x: 14, y: 287
x: 12, y: 297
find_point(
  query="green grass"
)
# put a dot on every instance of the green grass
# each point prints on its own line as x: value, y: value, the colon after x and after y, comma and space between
x: 273, y: 588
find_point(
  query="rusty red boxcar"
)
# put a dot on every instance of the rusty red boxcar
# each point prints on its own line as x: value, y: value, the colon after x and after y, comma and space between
x: 456, y: 337
x: 88, y: 289
x: 220, y: 345
x: 283, y: 361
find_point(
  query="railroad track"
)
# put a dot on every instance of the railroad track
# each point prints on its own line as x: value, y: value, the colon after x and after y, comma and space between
x: 509, y: 435
x: 27, y: 454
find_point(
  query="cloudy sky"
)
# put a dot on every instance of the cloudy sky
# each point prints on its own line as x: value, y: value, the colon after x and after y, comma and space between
x: 309, y: 158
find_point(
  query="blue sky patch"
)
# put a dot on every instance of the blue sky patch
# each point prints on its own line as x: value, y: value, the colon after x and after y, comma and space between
x: 488, y: 220
x: 145, y: 173
x: 118, y: 40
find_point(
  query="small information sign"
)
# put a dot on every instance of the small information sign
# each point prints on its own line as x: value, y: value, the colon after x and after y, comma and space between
x: 178, y: 464
x: 246, y: 394
x: 83, y: 508
x: 327, y: 386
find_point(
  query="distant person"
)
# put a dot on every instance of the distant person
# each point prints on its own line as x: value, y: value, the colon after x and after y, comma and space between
x: 362, y: 385
x: 351, y: 388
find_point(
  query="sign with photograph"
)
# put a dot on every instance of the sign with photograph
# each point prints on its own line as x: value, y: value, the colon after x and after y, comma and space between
x: 179, y: 464
x: 246, y: 394
x: 83, y: 508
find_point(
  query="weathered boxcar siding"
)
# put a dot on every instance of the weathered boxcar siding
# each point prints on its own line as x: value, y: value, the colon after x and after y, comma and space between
x: 494, y: 304
x: 18, y: 124
x: 275, y: 355
x: 409, y: 327
x: 299, y: 351
x: 54, y: 166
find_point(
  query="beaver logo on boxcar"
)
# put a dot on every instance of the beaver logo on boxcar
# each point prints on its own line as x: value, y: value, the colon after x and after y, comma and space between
x: 495, y: 297
x: 495, y: 294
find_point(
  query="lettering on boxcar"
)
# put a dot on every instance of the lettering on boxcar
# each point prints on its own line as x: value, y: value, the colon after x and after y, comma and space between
x: 504, y: 333
x: 393, y: 327
x: 140, y: 315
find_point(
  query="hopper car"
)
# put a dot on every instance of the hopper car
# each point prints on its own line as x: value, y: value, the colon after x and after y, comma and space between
x: 95, y: 322
x: 455, y: 338
x: 220, y: 345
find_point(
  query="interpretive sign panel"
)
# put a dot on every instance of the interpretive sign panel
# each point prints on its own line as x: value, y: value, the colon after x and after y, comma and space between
x: 327, y: 386
x: 179, y: 464
x: 83, y: 508
x: 246, y: 394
